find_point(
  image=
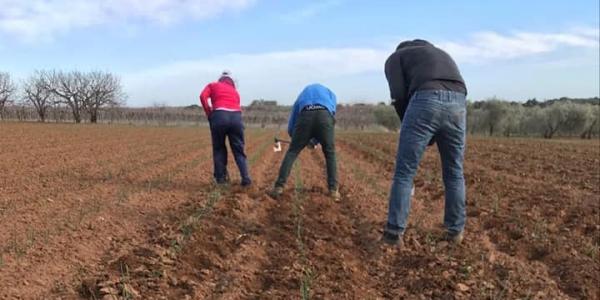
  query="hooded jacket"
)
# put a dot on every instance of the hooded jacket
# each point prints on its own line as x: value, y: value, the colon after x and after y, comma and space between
x: 419, y: 65
x: 222, y: 95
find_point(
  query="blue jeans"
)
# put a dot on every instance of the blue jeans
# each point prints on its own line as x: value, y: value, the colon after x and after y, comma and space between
x: 228, y: 124
x: 431, y: 114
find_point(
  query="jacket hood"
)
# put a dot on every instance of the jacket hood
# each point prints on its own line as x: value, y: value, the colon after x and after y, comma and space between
x: 413, y: 43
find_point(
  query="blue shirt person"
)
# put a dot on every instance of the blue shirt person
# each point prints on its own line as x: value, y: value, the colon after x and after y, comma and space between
x: 311, y: 119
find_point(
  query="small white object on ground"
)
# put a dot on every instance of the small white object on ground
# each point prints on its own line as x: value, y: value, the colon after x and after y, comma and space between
x: 277, y: 147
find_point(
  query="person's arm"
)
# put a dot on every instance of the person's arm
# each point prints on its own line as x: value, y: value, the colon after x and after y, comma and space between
x: 333, y: 99
x: 204, y: 100
x: 397, y: 85
x: 293, y: 115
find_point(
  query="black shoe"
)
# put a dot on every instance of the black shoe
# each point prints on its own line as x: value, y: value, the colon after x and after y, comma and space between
x: 246, y: 183
x: 454, y: 237
x: 275, y: 193
x: 222, y: 181
x: 390, y: 238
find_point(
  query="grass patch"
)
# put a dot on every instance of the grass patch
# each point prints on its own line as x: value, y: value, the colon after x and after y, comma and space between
x: 360, y: 173
x: 19, y: 245
x: 192, y: 222
x: 125, y: 292
x: 373, y: 152
x: 591, y: 250
x: 258, y: 153
x: 495, y: 204
x: 308, y: 275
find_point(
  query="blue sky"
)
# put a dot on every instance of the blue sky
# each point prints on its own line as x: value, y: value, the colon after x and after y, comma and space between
x: 165, y: 51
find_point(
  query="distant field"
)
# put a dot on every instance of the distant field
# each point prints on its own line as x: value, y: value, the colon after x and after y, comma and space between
x: 89, y: 211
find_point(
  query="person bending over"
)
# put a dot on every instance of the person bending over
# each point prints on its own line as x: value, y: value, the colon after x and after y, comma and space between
x: 225, y: 118
x: 311, y: 122
x: 429, y: 95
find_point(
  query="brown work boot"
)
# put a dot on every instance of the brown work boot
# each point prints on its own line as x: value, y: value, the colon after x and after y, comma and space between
x: 454, y: 237
x: 276, y: 192
x: 335, y: 194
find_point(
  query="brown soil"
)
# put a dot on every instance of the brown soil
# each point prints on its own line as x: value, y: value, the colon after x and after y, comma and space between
x: 120, y: 212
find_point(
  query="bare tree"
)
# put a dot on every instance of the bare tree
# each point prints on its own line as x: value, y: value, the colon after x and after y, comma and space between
x: 36, y: 92
x: 100, y: 90
x: 160, y: 108
x: 7, y: 91
x: 67, y: 87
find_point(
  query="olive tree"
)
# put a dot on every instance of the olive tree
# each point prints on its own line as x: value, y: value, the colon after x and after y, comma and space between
x: 533, y: 121
x: 592, y: 125
x: 511, y: 123
x: 496, y: 112
x: 554, y: 118
x: 475, y: 118
x: 386, y: 117
x: 576, y: 118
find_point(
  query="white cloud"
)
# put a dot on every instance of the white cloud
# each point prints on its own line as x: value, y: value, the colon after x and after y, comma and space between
x: 31, y: 20
x: 592, y: 32
x: 279, y: 75
x: 283, y: 72
x: 310, y: 10
x: 486, y: 46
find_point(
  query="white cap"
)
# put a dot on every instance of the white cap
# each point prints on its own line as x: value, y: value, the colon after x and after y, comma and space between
x: 226, y: 73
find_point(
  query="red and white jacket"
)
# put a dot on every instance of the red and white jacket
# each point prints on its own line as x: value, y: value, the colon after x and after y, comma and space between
x: 223, y: 96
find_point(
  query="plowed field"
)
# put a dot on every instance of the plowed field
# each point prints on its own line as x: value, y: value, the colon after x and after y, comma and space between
x: 100, y: 212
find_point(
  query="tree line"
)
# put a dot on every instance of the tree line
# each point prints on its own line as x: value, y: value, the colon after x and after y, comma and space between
x: 563, y: 117
x: 98, y: 97
x: 84, y: 94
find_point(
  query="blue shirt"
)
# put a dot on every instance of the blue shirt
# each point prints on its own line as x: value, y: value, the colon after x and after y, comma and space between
x: 314, y: 94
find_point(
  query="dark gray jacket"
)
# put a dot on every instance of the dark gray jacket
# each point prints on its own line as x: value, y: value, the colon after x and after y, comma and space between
x: 419, y: 65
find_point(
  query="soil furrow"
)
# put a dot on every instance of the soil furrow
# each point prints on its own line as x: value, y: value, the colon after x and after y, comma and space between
x: 191, y: 203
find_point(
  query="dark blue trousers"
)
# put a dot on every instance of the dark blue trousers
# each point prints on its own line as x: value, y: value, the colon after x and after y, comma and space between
x: 228, y: 124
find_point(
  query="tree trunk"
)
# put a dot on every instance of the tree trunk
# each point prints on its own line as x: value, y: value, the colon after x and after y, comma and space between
x: 587, y: 134
x: 41, y: 114
x: 76, y: 117
x: 550, y: 132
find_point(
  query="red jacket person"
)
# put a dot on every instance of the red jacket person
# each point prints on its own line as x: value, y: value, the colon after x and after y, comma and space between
x: 221, y: 103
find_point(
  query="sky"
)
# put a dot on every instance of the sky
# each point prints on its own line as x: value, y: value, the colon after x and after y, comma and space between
x: 166, y: 51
